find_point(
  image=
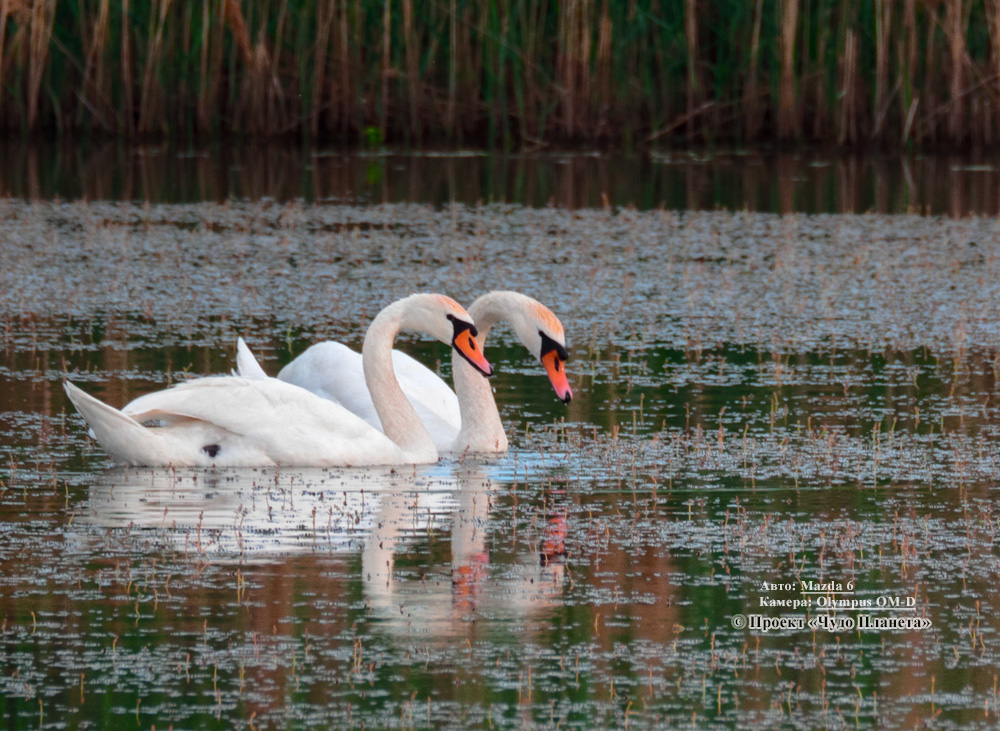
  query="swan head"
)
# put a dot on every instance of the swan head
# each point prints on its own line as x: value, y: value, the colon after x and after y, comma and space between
x: 542, y: 334
x: 464, y: 341
x: 443, y: 318
x: 554, y: 357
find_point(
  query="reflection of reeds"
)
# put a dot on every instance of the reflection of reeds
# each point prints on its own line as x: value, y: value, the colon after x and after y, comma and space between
x: 528, y: 71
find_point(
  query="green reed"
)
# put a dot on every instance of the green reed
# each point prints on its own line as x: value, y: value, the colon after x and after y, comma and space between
x: 521, y: 73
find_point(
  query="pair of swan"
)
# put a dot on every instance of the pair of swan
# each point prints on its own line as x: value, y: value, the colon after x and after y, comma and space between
x: 465, y: 419
x: 261, y: 421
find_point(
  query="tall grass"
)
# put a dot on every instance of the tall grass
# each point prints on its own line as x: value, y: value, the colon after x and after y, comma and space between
x: 517, y: 73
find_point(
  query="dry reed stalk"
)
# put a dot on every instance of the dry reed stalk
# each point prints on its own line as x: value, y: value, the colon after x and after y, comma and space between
x: 102, y: 36
x: 693, y: 85
x: 975, y: 128
x: 603, y: 69
x: 989, y: 125
x: 128, y: 123
x: 539, y: 81
x: 261, y: 90
x: 910, y: 22
x: 753, y: 117
x: 43, y: 14
x: 821, y: 111
x: 210, y: 64
x: 149, y: 108
x: 489, y: 89
x: 956, y: 21
x: 470, y: 84
x: 787, y: 117
x: 181, y: 101
x: 848, y: 132
x: 533, y: 20
x: 217, y: 59
x: 450, y: 120
x: 93, y: 93
x: 85, y: 40
x: 906, y: 51
x: 201, y: 112
x: 7, y: 8
x: 993, y: 25
x: 386, y: 65
x: 344, y: 94
x: 258, y: 94
x: 501, y: 115
x: 934, y: 68
x: 928, y: 96
x: 564, y: 64
x: 251, y: 99
x: 276, y: 121
x: 911, y: 115
x: 574, y: 41
x: 883, y: 22
x: 324, y: 21
x: 582, y: 56
x: 233, y: 17
x: 412, y: 66
x: 364, y: 60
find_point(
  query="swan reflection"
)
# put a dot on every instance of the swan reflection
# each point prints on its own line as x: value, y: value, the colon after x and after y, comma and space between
x: 247, y: 514
x: 380, y: 513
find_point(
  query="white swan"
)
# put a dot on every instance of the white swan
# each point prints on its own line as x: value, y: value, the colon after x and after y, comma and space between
x: 240, y: 422
x: 460, y: 420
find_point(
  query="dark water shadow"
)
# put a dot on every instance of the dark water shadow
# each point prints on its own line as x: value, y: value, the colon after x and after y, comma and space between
x: 812, y: 182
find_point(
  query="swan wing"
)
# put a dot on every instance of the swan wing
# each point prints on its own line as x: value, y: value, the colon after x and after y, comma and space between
x: 260, y: 422
x: 335, y: 372
x: 179, y: 442
x: 246, y: 363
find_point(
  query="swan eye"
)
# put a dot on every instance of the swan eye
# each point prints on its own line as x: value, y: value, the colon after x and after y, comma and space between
x: 460, y: 326
x: 211, y: 450
x: 551, y: 346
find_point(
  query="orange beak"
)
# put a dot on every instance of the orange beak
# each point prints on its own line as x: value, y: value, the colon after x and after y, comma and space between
x: 556, y: 368
x: 465, y: 343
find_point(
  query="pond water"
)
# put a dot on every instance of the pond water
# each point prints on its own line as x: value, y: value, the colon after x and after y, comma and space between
x: 761, y: 401
x: 807, y: 181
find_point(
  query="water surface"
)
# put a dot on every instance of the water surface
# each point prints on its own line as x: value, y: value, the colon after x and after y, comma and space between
x: 809, y: 181
x: 759, y: 399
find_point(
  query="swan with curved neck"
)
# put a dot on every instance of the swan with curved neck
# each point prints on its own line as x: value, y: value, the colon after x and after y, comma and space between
x: 243, y: 422
x: 541, y: 333
x: 460, y: 420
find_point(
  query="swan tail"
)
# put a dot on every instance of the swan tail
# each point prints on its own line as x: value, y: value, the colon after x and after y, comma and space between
x: 121, y: 436
x: 246, y: 364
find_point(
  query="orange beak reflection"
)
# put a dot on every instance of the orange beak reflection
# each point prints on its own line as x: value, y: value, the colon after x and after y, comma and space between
x: 466, y: 345
x: 556, y: 368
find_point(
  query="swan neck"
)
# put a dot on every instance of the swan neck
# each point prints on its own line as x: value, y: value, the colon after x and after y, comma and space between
x: 481, y: 430
x: 400, y: 421
x: 491, y: 308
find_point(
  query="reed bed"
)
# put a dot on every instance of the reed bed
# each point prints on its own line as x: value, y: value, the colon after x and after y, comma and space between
x: 523, y: 73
